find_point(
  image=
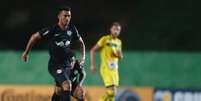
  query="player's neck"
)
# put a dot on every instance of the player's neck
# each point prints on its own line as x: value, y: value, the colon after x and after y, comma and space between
x: 62, y: 26
x: 114, y: 37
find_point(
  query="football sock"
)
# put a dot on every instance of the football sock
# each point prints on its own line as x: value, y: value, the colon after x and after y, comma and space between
x: 55, y: 97
x: 66, y: 96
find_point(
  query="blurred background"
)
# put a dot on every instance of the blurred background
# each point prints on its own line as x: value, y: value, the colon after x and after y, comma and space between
x: 161, y: 48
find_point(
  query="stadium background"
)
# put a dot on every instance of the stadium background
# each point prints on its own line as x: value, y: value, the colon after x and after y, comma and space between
x: 161, y: 48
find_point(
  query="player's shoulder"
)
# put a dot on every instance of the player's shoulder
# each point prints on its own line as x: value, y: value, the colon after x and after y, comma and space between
x: 52, y: 26
x: 72, y: 26
x: 105, y: 37
x: 45, y: 30
x: 119, y: 40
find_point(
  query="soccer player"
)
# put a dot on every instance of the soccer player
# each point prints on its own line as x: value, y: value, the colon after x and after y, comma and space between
x: 59, y: 38
x: 77, y: 77
x: 110, y: 52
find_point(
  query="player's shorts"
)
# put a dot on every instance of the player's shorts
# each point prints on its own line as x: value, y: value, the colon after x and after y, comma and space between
x: 110, y: 77
x: 74, y: 85
x: 60, y: 74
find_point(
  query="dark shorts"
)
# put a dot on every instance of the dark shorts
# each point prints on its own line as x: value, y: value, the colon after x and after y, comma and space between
x: 74, y: 85
x: 60, y: 74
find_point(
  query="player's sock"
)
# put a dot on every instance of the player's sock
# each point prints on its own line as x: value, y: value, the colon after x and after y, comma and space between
x: 55, y: 97
x: 65, y: 96
x: 80, y: 100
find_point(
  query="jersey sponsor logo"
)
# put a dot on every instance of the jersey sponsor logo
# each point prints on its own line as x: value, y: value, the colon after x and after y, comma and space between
x: 45, y: 33
x: 113, y: 65
x: 61, y: 43
x: 69, y: 33
x: 111, y: 44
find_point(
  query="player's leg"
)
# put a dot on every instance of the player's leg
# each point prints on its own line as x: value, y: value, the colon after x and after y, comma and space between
x: 66, y: 94
x: 55, y: 97
x: 80, y: 98
x: 57, y: 93
x: 78, y: 92
x: 66, y: 85
x: 61, y: 75
x: 111, y: 92
x: 111, y: 81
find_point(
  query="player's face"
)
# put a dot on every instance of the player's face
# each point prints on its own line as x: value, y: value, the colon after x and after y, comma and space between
x: 64, y: 17
x: 115, y: 30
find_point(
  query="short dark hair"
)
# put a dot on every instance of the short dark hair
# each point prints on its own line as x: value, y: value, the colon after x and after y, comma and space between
x: 115, y: 24
x: 64, y: 8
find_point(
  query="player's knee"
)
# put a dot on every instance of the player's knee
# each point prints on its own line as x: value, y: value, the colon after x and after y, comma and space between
x: 58, y: 90
x: 66, y: 85
x: 111, y: 93
x: 79, y: 93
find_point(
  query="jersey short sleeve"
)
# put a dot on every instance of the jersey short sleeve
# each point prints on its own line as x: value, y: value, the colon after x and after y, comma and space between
x: 45, y: 33
x: 76, y: 35
x: 101, y: 42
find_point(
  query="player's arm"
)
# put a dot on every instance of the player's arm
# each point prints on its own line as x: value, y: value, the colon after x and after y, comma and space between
x: 82, y: 76
x: 92, y: 57
x: 79, y: 91
x: 76, y: 36
x: 82, y: 51
x: 93, y: 50
x: 118, y: 54
x: 33, y: 40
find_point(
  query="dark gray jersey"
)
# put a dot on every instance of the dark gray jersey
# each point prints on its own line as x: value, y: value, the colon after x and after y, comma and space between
x: 59, y: 42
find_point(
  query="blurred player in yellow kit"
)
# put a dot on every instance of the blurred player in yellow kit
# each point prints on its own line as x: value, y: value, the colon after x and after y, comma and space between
x: 110, y: 47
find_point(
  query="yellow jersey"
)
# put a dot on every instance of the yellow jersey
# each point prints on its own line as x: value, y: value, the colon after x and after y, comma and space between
x: 109, y: 46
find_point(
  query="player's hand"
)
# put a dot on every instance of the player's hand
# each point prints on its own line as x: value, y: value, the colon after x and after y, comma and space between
x: 93, y: 69
x: 82, y: 61
x: 25, y: 56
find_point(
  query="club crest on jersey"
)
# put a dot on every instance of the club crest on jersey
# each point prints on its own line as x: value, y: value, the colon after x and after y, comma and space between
x: 69, y: 33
